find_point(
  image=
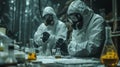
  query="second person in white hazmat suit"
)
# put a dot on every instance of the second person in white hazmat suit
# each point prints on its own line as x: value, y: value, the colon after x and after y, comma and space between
x: 88, y: 30
x: 51, y: 32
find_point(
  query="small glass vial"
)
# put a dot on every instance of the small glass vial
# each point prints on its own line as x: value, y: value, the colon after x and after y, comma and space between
x: 48, y: 51
x: 53, y: 51
x: 11, y: 60
x: 58, y: 53
x: 109, y: 56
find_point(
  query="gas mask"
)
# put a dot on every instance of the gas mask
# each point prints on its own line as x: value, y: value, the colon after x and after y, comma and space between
x: 48, y: 19
x: 77, y: 20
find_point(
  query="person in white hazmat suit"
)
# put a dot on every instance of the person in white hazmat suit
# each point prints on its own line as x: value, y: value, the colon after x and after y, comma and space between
x: 88, y: 30
x: 50, y: 33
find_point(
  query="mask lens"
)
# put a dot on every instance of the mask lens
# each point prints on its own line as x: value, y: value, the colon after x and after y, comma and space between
x: 48, y: 19
x: 75, y: 19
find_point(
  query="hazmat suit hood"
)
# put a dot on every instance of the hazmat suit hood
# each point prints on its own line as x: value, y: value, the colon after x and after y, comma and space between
x: 79, y: 6
x: 50, y: 10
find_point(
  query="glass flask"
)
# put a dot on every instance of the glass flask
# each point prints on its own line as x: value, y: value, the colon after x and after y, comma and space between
x: 48, y: 51
x: 58, y: 53
x: 109, y: 56
x: 53, y: 51
x: 31, y: 52
x: 11, y: 60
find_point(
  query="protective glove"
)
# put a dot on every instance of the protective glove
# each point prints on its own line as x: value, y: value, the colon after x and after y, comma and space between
x: 45, y: 37
x: 62, y: 45
x: 59, y: 42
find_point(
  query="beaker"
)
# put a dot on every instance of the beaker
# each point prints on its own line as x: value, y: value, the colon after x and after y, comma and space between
x: 58, y: 53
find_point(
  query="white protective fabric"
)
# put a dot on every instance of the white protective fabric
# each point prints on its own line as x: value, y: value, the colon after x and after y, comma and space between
x: 86, y: 41
x: 58, y: 30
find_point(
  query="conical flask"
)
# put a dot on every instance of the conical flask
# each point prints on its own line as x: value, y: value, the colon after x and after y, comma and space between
x: 109, y: 56
x: 31, y: 52
x: 58, y: 53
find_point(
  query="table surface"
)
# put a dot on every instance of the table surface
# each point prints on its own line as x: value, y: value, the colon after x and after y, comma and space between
x: 67, y: 61
x: 50, y: 61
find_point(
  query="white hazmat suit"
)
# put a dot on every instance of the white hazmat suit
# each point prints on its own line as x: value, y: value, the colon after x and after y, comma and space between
x: 86, y: 41
x: 56, y: 31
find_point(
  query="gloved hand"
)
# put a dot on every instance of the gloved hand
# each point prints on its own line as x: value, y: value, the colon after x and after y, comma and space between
x: 59, y: 42
x: 45, y: 37
x: 62, y: 45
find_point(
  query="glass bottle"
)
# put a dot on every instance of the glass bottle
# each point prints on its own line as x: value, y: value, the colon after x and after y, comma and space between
x: 31, y: 52
x: 11, y: 60
x: 1, y: 46
x: 109, y: 56
x: 58, y: 53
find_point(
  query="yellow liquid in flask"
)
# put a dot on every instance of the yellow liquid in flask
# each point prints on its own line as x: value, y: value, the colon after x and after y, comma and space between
x: 110, y: 58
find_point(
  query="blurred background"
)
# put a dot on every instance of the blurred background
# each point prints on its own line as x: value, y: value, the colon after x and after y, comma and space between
x: 21, y: 18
